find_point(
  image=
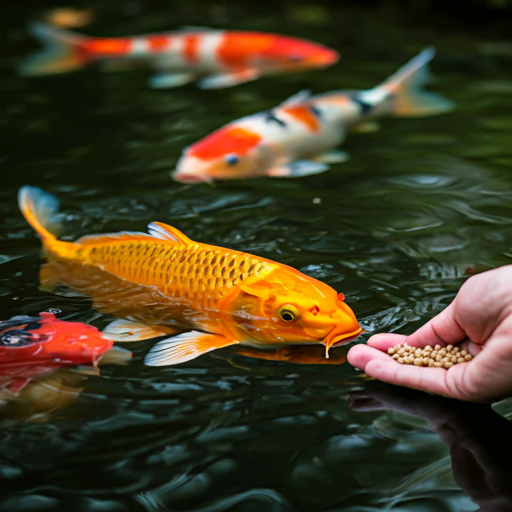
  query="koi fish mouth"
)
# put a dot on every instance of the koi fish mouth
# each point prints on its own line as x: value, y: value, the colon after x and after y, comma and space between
x: 334, y: 339
x: 184, y: 177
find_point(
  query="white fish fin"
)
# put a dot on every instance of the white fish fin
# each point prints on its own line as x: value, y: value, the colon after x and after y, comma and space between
x: 220, y: 81
x: 170, y: 80
x: 126, y: 331
x: 297, y: 168
x: 59, y: 54
x: 185, y: 347
x: 110, y: 237
x: 41, y: 210
x: 406, y: 92
x: 297, y: 99
x: 166, y: 232
x: 335, y: 156
x: 365, y: 127
x: 116, y: 355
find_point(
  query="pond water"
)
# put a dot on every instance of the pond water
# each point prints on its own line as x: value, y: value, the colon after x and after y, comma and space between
x: 397, y: 228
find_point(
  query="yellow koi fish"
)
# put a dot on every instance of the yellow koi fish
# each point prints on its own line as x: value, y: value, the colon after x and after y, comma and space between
x: 163, y: 283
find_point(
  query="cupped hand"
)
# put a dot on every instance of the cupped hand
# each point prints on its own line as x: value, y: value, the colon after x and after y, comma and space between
x: 480, y: 317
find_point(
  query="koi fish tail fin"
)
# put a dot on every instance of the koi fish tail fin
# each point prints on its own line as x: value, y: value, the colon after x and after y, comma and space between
x: 403, y: 94
x: 40, y: 209
x: 63, y: 51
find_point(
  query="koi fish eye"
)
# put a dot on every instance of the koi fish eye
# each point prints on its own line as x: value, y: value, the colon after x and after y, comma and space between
x: 288, y: 313
x: 231, y: 159
x: 16, y: 338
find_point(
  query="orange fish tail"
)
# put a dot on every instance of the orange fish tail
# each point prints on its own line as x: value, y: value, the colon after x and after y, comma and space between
x: 63, y: 51
x: 40, y: 209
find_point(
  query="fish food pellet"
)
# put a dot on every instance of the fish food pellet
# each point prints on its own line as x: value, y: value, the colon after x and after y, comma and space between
x: 436, y: 357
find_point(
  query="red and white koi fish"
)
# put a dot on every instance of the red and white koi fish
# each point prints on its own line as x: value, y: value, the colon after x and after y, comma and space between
x: 297, y: 137
x: 220, y: 58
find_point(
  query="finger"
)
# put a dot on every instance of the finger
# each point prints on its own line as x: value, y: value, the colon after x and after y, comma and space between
x: 385, y: 341
x: 471, y: 347
x: 442, y: 330
x: 360, y: 355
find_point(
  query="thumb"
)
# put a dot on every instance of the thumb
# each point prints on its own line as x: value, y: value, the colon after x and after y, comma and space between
x: 443, y: 329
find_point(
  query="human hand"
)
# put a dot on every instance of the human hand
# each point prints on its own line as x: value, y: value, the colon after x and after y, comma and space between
x: 480, y: 317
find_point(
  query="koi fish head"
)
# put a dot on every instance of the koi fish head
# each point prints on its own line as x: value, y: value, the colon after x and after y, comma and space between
x: 230, y: 152
x: 29, y: 340
x: 288, y: 307
x: 292, y: 54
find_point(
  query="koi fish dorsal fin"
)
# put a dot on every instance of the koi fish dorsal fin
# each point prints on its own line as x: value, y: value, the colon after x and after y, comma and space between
x: 297, y: 99
x: 111, y: 237
x: 166, y: 232
x: 156, y: 230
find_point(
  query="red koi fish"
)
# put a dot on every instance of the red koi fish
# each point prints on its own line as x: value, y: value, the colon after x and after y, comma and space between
x: 48, y: 341
x: 220, y: 58
x: 298, y: 137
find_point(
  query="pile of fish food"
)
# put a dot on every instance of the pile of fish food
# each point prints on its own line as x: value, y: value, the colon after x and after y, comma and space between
x: 440, y: 357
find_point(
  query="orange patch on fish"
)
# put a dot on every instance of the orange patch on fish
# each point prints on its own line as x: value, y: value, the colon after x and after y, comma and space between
x: 191, y: 48
x: 224, y: 141
x: 159, y: 43
x: 305, y: 116
x: 108, y: 47
x: 237, y: 49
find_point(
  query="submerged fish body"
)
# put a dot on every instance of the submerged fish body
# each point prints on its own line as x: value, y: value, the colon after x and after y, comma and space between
x: 219, y: 58
x: 50, y: 342
x: 163, y: 283
x: 298, y: 137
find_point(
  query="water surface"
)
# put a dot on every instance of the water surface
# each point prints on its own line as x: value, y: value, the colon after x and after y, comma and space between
x: 397, y: 228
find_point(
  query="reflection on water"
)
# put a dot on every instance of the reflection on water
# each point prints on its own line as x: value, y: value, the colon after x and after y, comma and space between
x: 420, y: 205
x: 475, y: 435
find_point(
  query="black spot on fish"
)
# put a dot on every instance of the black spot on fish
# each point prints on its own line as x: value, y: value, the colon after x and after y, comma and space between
x: 315, y: 111
x: 33, y: 326
x: 270, y: 117
x: 364, y: 106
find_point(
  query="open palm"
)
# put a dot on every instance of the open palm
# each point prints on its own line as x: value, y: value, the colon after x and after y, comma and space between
x: 480, y: 317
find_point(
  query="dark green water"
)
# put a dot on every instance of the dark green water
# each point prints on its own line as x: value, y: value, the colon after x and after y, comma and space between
x: 395, y: 229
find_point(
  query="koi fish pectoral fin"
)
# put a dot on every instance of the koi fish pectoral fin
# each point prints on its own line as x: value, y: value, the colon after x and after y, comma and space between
x: 185, y: 347
x: 170, y: 80
x: 126, y: 331
x: 298, y: 168
x: 228, y: 79
x: 335, y: 156
x: 116, y: 355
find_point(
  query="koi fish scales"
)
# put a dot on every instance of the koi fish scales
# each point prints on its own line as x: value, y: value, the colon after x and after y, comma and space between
x: 197, y: 272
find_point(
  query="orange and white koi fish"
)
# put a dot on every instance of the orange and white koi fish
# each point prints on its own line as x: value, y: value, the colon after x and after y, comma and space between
x: 219, y: 58
x: 218, y: 296
x: 297, y: 137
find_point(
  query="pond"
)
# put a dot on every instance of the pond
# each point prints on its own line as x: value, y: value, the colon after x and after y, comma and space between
x: 420, y: 205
